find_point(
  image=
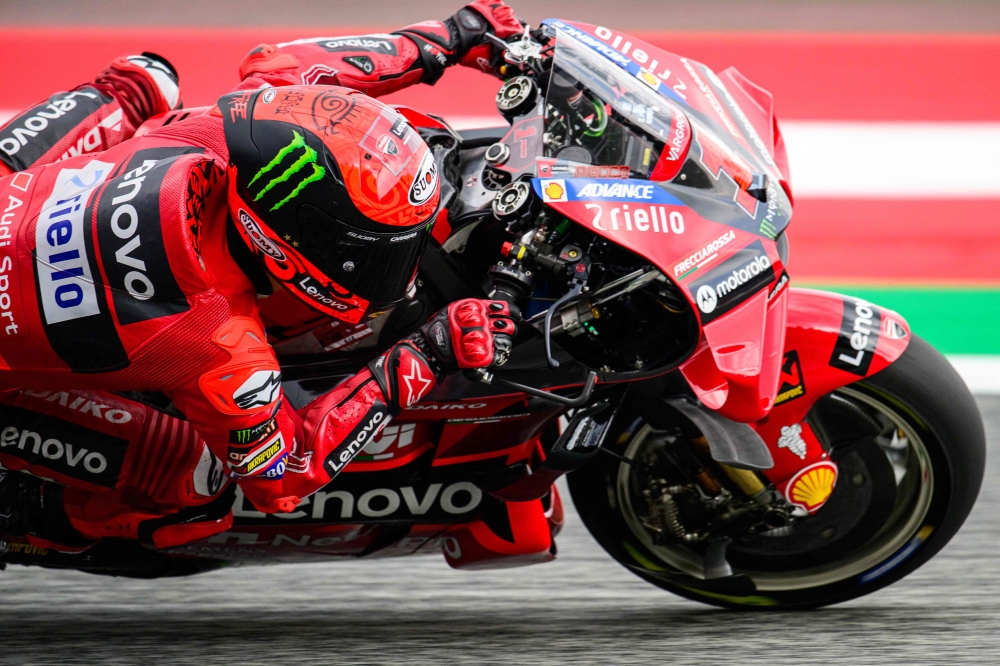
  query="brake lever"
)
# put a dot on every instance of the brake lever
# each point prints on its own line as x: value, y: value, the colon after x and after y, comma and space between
x: 497, y: 41
x: 518, y: 51
x: 481, y: 375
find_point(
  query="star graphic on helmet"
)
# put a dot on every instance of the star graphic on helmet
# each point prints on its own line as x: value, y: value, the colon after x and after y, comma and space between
x: 287, y: 237
x: 422, y: 383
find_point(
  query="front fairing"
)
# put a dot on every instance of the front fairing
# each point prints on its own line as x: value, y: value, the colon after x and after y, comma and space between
x: 697, y: 193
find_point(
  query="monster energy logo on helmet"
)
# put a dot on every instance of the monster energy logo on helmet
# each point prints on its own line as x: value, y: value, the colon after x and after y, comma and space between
x: 308, y: 158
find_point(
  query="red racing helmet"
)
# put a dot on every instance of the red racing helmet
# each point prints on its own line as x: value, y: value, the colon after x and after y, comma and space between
x: 332, y: 191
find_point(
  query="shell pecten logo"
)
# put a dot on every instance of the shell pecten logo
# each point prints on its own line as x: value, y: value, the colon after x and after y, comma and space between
x: 554, y: 190
x: 649, y: 79
x: 811, y: 487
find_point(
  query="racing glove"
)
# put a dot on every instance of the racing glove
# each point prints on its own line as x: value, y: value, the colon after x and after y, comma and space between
x: 461, y: 39
x: 468, y: 334
x: 145, y: 85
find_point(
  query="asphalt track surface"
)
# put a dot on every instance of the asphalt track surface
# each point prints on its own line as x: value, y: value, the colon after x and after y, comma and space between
x: 581, y: 609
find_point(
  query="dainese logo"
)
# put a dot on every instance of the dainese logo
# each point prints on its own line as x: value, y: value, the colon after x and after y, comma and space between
x: 306, y: 159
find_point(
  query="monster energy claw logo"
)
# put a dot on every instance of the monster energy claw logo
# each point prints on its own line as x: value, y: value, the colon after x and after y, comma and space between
x: 308, y: 157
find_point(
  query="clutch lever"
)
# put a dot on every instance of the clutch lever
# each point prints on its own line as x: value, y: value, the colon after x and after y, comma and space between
x: 481, y: 375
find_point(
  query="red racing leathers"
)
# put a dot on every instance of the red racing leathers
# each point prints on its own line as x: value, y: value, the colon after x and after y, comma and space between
x: 117, y: 274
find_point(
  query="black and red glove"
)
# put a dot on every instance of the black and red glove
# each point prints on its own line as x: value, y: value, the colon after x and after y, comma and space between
x: 481, y: 52
x: 461, y: 39
x: 145, y: 85
x: 468, y: 334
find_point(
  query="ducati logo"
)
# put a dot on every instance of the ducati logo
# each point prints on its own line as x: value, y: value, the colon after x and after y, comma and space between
x: 387, y: 145
x: 306, y: 159
x: 892, y: 330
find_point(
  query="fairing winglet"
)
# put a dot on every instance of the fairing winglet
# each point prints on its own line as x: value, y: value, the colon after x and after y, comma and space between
x: 736, y: 368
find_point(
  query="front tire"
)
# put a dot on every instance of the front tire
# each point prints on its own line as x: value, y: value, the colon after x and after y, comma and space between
x: 897, y: 504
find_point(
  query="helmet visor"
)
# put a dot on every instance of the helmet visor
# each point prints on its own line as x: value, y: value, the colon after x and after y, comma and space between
x: 376, y: 266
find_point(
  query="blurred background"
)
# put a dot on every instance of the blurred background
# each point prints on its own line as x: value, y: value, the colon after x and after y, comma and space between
x: 891, y: 113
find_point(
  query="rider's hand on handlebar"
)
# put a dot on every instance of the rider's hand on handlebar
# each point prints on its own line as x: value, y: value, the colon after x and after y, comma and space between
x: 477, y: 19
x: 471, y: 333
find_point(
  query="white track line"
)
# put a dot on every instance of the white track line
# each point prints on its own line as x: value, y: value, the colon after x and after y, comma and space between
x: 981, y: 373
x: 893, y: 160
x: 912, y: 160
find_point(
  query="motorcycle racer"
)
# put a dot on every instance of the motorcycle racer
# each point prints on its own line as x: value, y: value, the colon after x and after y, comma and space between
x: 139, y: 267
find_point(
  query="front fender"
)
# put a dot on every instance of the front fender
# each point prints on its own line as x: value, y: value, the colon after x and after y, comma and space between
x: 838, y: 340
x: 831, y: 341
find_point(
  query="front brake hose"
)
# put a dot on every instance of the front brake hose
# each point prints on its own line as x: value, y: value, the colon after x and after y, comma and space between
x: 574, y: 291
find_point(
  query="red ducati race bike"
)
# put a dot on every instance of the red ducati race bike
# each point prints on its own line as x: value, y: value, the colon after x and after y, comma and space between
x: 727, y: 437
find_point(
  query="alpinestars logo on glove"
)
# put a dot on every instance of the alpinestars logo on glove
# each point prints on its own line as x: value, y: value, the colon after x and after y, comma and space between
x: 416, y: 384
x: 308, y: 157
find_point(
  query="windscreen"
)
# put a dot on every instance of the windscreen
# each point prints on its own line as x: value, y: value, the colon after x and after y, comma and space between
x: 596, y: 113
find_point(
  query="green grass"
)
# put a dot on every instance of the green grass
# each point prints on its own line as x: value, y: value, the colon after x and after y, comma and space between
x: 954, y: 320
